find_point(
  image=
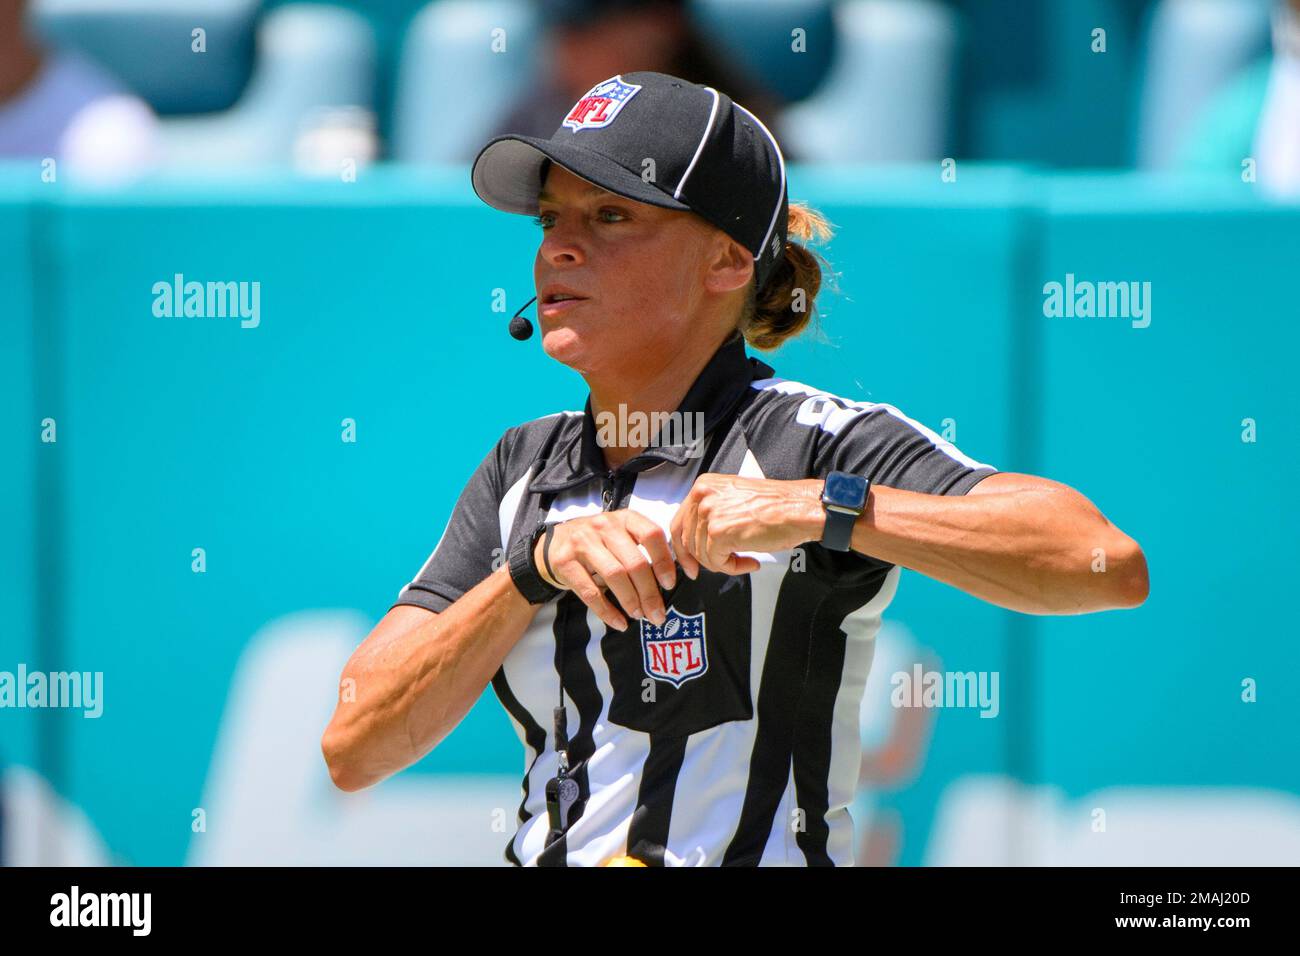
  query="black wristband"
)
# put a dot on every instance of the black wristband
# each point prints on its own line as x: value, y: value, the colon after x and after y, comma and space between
x: 523, y: 571
x: 546, y: 551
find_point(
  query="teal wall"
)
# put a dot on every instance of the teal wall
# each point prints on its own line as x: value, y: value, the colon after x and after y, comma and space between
x: 376, y: 305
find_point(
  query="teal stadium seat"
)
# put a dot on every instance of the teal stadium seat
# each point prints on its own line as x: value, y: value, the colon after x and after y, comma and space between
x: 1194, y: 49
x: 756, y: 35
x: 148, y: 45
x: 311, y: 58
x: 877, y: 91
x: 452, y: 88
x: 223, y: 108
x: 888, y: 95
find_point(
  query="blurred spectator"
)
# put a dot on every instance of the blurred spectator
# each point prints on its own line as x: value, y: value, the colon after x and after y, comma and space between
x: 57, y: 104
x: 592, y: 40
x: 895, y: 741
x: 1257, y: 115
x: 1277, y: 136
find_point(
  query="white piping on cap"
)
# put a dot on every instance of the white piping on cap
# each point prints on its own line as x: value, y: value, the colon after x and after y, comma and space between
x: 708, y: 128
x: 762, y: 250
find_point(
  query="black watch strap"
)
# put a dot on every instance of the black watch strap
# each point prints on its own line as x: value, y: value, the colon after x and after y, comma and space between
x: 844, y: 498
x: 524, y: 572
x: 838, y: 533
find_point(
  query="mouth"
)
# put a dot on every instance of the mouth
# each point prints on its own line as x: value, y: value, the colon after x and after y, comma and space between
x: 558, y: 301
x: 560, y: 307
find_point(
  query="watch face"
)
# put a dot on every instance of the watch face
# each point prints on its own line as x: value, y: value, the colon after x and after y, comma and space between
x: 846, y: 491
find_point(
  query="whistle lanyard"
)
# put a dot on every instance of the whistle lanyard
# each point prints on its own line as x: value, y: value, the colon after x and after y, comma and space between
x: 562, y: 790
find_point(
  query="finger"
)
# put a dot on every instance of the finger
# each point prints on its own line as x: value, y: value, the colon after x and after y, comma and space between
x: 719, y: 547
x: 652, y: 537
x: 700, y: 543
x: 592, y: 596
x: 636, y: 566
x: 683, y: 537
x: 712, y: 551
x: 610, y: 568
x: 735, y: 564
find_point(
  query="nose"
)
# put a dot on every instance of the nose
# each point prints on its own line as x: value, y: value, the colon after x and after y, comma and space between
x: 562, y: 244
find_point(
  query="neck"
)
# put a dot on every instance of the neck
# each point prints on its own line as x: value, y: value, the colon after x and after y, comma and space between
x: 642, y: 393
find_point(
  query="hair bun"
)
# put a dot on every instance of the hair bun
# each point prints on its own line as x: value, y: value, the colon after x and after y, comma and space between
x: 788, y: 301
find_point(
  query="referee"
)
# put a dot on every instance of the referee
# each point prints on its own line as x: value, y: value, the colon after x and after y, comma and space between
x: 674, y: 593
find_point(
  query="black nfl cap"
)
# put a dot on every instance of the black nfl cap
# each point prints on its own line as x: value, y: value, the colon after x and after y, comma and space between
x: 660, y: 140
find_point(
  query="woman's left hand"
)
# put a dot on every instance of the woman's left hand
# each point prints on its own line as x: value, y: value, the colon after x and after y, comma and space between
x: 723, y: 514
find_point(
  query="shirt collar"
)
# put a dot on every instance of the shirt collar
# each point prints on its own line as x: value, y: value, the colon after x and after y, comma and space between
x: 715, y: 392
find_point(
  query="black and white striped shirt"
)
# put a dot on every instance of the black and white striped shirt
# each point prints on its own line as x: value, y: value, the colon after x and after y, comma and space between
x: 730, y: 736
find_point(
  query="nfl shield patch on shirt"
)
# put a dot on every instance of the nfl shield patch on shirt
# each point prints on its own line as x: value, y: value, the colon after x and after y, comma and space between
x: 688, y: 675
x: 675, y: 652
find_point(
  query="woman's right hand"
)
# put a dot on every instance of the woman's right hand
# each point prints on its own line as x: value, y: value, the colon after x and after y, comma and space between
x: 604, y: 550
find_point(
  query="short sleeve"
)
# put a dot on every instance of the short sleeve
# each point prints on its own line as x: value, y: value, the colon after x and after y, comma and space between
x: 890, y: 449
x: 470, y: 542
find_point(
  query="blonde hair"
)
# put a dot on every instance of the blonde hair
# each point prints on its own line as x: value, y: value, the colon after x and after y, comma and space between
x: 787, y: 303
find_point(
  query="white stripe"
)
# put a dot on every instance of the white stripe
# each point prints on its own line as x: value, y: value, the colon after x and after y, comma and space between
x: 860, y: 628
x: 832, y: 418
x: 530, y: 671
x: 708, y: 128
x: 780, y: 193
x: 521, y: 669
x: 715, y: 770
x: 510, y: 505
x: 613, y: 772
x: 709, y: 794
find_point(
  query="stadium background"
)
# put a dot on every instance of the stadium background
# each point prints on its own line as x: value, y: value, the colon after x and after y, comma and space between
x: 377, y: 303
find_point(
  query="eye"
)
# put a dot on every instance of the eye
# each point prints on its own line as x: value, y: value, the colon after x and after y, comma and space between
x: 543, y: 221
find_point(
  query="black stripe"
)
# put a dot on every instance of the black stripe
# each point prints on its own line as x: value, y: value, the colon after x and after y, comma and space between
x: 571, y: 639
x: 812, y: 743
x: 647, y: 836
x: 536, y: 739
x: 781, y: 685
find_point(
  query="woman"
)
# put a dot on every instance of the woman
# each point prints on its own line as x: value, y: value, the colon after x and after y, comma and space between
x: 683, y: 624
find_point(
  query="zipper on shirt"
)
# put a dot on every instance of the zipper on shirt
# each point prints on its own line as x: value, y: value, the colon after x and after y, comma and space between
x: 615, y: 487
x: 609, y: 495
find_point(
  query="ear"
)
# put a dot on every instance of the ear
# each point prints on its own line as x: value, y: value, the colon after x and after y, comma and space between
x: 730, y: 265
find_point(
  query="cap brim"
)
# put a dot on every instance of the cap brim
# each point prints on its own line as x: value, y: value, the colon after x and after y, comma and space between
x: 507, y: 174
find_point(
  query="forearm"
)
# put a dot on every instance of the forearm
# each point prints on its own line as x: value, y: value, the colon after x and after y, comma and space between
x: 1040, y: 550
x: 1031, y: 545
x: 412, y: 686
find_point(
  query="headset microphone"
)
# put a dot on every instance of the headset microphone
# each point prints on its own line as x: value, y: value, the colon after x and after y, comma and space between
x: 520, y: 327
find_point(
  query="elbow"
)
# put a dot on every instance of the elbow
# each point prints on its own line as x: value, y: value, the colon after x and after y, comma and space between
x: 342, y: 771
x: 1131, y: 584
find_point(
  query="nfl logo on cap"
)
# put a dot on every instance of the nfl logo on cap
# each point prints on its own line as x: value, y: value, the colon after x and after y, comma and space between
x: 600, y: 104
x: 675, y: 652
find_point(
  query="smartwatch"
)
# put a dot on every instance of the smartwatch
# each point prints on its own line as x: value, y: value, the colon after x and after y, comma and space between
x: 844, y: 497
x: 523, y: 571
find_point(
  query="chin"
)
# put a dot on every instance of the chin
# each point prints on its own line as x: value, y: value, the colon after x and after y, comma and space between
x: 566, y: 346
